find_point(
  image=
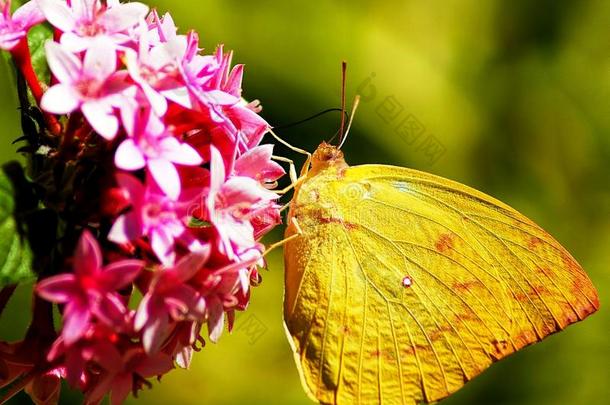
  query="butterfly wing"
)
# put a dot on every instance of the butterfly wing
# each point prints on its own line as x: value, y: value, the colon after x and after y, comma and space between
x: 404, y: 285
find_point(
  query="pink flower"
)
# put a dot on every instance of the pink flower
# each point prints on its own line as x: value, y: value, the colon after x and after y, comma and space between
x: 182, y: 342
x: 257, y: 164
x: 91, y: 85
x: 198, y: 72
x: 239, y: 120
x: 168, y: 298
x: 84, y: 22
x: 231, y: 203
x: 14, y: 28
x: 152, y: 214
x: 89, y: 291
x: 151, y: 146
x: 156, y: 69
x: 96, y: 346
x: 128, y: 375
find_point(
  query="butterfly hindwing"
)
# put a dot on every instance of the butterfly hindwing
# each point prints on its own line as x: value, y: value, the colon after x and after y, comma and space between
x: 404, y: 285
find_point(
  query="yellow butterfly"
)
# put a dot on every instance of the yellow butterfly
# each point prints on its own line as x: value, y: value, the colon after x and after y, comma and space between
x: 401, y: 286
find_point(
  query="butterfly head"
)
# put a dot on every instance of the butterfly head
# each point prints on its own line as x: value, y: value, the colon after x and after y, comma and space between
x: 327, y: 156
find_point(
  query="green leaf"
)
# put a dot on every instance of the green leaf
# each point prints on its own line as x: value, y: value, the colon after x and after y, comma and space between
x: 37, y: 36
x: 15, y: 253
x: 198, y: 223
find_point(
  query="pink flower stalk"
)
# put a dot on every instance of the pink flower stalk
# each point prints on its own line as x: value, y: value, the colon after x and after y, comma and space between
x: 84, y: 22
x: 151, y: 146
x: 91, y: 85
x: 90, y: 292
x: 153, y: 215
x: 168, y: 298
x: 14, y: 28
x: 231, y: 203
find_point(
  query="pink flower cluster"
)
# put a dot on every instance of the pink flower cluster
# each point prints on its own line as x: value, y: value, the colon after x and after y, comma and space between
x: 190, y: 198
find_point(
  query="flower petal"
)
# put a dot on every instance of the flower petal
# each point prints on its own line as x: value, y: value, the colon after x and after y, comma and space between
x: 189, y: 265
x: 60, y: 99
x: 257, y: 164
x: 121, y: 387
x: 216, y: 318
x: 144, y: 312
x: 155, y: 333
x: 119, y: 274
x: 28, y: 15
x: 100, y: 116
x: 123, y: 16
x: 155, y: 365
x: 181, y: 153
x: 60, y: 288
x: 100, y: 60
x: 217, y: 169
x: 128, y: 156
x: 88, y: 257
x: 58, y: 14
x: 166, y: 176
x: 125, y: 229
x: 76, y: 321
x: 162, y: 244
x: 111, y: 311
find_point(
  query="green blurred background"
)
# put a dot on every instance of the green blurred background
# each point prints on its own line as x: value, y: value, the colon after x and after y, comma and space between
x: 511, y: 98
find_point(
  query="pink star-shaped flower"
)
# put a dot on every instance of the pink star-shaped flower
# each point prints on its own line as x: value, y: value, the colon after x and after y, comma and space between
x: 151, y: 146
x: 128, y: 375
x: 93, y: 85
x: 83, y: 22
x: 231, y: 203
x: 154, y: 215
x: 90, y: 291
x: 168, y: 298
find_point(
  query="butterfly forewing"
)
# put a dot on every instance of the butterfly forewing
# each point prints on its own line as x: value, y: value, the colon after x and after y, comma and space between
x: 403, y: 285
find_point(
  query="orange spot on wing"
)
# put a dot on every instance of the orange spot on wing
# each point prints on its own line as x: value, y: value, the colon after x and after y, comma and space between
x: 326, y: 220
x: 444, y: 242
x: 466, y: 286
x: 533, y: 242
x: 438, y: 333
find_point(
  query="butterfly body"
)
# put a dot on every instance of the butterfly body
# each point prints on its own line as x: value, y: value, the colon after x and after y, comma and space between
x: 403, y: 285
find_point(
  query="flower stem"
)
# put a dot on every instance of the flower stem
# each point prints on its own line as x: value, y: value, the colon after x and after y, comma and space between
x: 23, y: 61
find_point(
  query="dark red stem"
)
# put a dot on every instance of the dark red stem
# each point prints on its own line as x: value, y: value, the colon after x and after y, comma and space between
x: 23, y: 61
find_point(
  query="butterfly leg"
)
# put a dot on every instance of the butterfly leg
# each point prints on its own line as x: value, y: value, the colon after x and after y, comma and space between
x: 292, y: 172
x: 282, y: 242
x: 294, y: 179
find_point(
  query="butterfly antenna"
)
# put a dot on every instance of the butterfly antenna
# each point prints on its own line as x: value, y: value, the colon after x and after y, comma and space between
x: 343, y: 79
x: 351, y: 119
x: 316, y: 115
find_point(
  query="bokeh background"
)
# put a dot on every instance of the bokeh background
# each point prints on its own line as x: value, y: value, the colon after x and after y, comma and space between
x: 511, y: 98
